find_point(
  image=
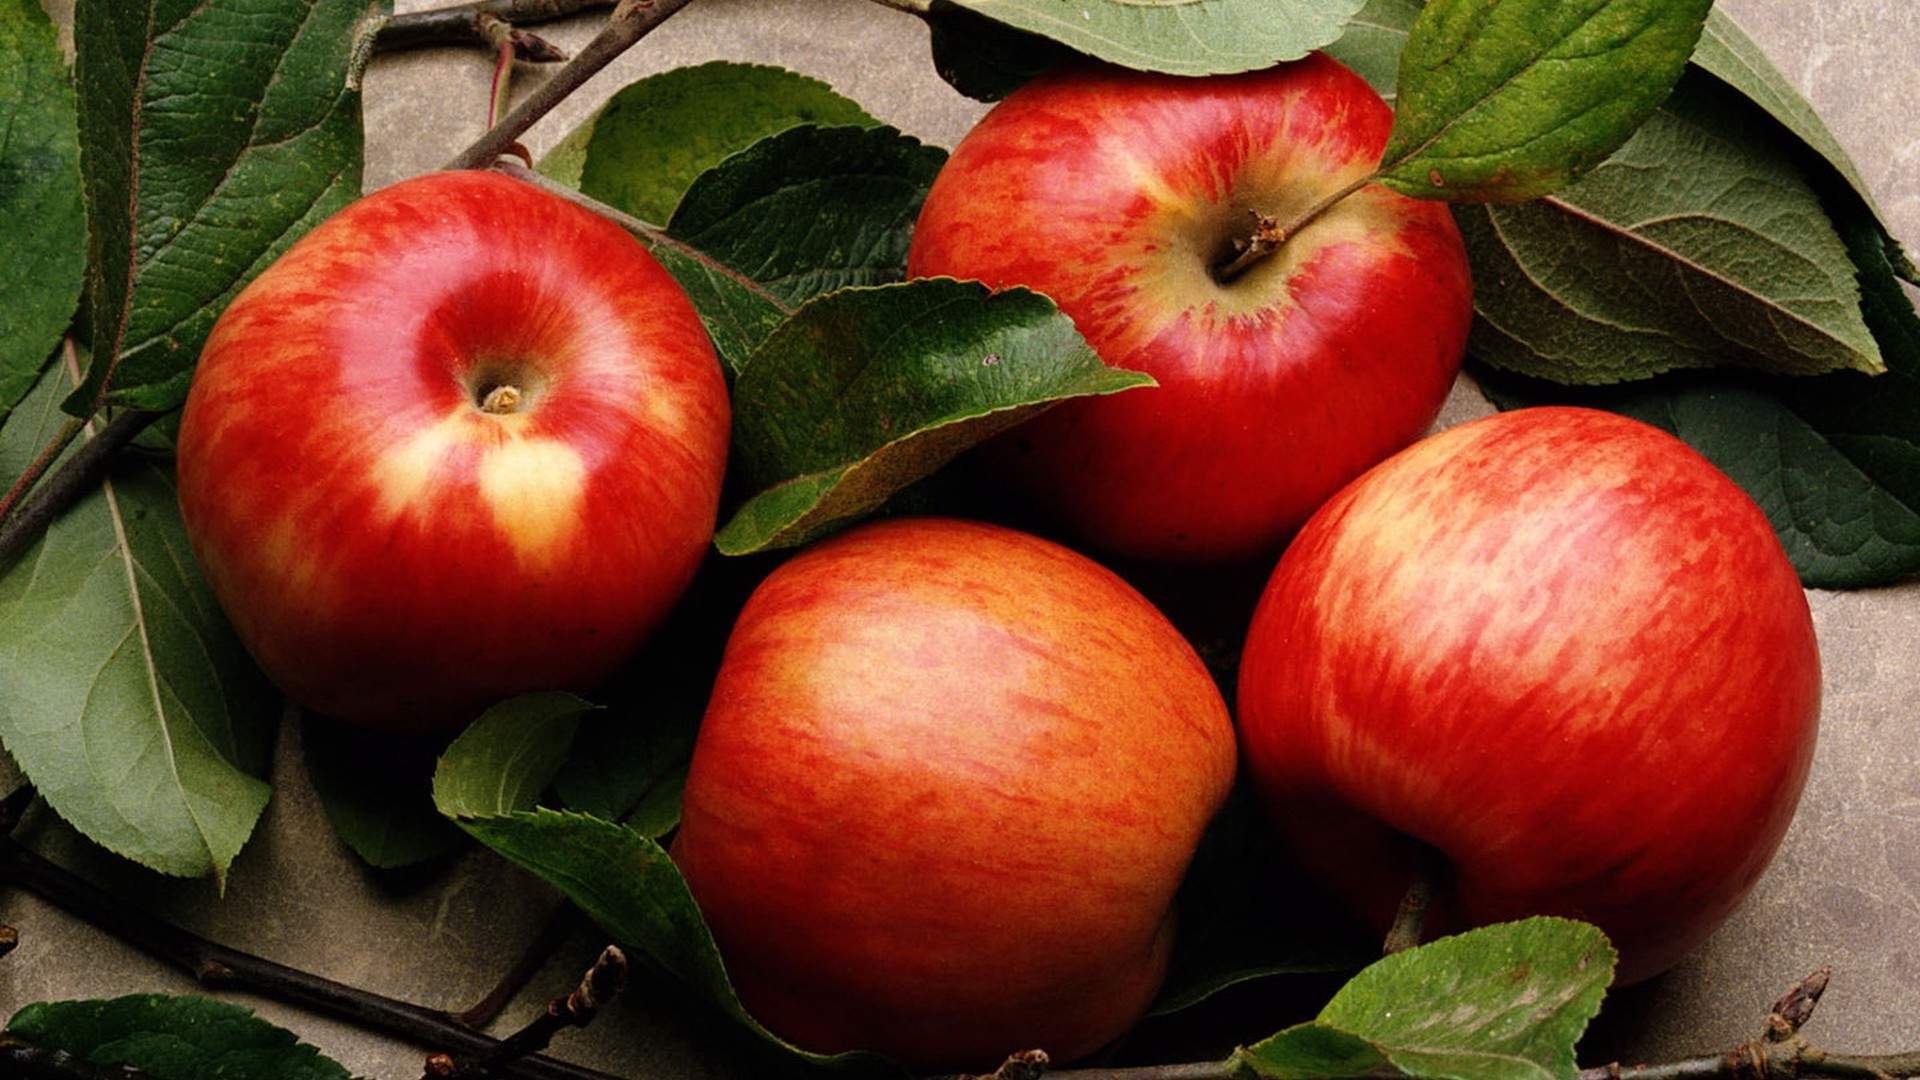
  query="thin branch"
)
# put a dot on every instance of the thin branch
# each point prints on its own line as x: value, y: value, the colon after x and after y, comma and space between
x: 80, y: 473
x: 600, y: 985
x: 461, y: 25
x: 219, y: 967
x: 631, y: 20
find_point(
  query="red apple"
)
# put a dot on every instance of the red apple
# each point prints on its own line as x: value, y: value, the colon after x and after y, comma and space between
x: 1560, y: 648
x: 463, y: 440
x: 1120, y: 195
x: 949, y: 780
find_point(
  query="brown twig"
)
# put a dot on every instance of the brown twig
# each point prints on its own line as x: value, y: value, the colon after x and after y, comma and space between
x: 600, y: 985
x: 631, y: 20
x: 461, y: 25
x: 219, y: 967
x: 1780, y: 1053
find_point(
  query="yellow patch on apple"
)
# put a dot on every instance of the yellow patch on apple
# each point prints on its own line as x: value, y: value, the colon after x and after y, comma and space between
x: 534, y: 487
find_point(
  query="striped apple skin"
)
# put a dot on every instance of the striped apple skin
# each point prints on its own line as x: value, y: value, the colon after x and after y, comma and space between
x: 391, y: 551
x: 1557, y: 646
x: 948, y: 783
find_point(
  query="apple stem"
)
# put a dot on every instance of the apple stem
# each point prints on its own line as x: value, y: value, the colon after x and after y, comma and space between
x: 1410, y: 921
x: 1269, y: 235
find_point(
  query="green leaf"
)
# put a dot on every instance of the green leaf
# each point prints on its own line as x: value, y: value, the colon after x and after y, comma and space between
x: 214, y: 132
x: 1505, y: 1002
x: 738, y: 312
x: 1374, y: 41
x: 812, y: 209
x: 124, y: 695
x: 800, y: 213
x: 1509, y: 101
x: 504, y: 760
x: 1211, y: 37
x: 173, y: 1038
x: 1730, y: 55
x: 376, y: 788
x: 645, y: 146
x: 40, y: 210
x: 865, y: 391
x: 1697, y: 244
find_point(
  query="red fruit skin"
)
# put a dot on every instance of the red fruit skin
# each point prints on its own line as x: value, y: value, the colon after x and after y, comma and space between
x: 1115, y: 193
x: 1560, y: 647
x: 949, y: 780
x: 391, y: 554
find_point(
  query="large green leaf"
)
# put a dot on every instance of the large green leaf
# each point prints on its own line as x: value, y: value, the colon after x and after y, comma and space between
x: 772, y: 214
x: 1374, y: 41
x: 214, y: 132
x: 648, y: 143
x: 812, y: 209
x: 1730, y: 55
x: 1698, y: 245
x: 1509, y: 101
x: 1201, y: 37
x: 800, y: 213
x: 865, y: 391
x: 40, y: 209
x: 173, y: 1038
x: 124, y: 695
x: 1505, y: 1002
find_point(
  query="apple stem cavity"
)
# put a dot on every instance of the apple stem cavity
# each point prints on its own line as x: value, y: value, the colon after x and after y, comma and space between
x: 1270, y: 235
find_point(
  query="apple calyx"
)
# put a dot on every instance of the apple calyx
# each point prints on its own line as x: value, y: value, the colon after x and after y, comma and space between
x: 501, y: 400
x: 498, y: 389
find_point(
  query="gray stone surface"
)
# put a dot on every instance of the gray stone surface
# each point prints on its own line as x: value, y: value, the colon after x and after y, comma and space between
x: 1844, y: 891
